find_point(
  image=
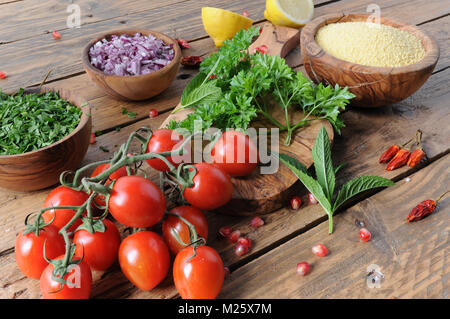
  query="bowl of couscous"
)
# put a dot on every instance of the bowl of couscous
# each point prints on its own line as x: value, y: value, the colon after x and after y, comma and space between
x: 381, y: 61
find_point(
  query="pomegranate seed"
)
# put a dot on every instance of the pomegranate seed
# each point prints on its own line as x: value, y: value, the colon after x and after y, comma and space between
x: 256, y: 222
x: 245, y: 14
x: 319, y: 250
x: 153, y: 113
x: 56, y: 35
x: 312, y: 199
x: 212, y: 77
x: 225, y: 231
x: 296, y: 202
x: 3, y: 75
x: 93, y: 138
x: 234, y: 236
x: 245, y: 241
x: 227, y: 271
x: 260, y: 30
x: 241, y: 249
x: 364, y: 234
x: 303, y: 268
x: 263, y: 49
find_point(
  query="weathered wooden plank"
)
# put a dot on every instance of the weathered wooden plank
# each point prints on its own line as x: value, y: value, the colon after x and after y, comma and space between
x: 29, y: 18
x: 359, y: 146
x: 413, y: 257
x: 65, y: 60
x: 63, y: 56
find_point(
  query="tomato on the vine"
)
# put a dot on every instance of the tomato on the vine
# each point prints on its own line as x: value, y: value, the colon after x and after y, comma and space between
x: 100, y: 249
x: 212, y: 187
x: 136, y: 202
x: 199, y: 277
x: 144, y: 259
x: 100, y: 199
x: 63, y: 196
x: 78, y: 286
x: 164, y: 140
x: 174, y: 224
x: 29, y: 250
x: 235, y: 153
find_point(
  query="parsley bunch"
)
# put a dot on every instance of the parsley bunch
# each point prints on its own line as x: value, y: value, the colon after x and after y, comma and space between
x: 31, y: 121
x: 233, y: 86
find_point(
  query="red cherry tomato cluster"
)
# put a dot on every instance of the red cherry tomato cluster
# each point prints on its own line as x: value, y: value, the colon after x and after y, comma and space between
x: 66, y: 241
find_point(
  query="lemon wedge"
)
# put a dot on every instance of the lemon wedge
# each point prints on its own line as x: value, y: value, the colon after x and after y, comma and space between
x: 222, y: 24
x: 289, y: 13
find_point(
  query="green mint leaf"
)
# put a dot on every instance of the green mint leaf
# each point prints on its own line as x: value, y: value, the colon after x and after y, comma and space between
x: 357, y: 186
x: 291, y: 162
x: 206, y: 93
x: 321, y: 154
x: 132, y: 115
x: 310, y: 183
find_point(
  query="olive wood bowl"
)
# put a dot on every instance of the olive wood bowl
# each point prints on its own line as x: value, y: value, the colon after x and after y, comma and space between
x: 373, y: 86
x: 41, y: 168
x: 134, y: 87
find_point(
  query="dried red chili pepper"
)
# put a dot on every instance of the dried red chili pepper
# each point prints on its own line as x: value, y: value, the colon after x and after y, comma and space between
x: 183, y: 43
x: 400, y: 159
x: 191, y: 61
x: 389, y: 153
x: 424, y: 209
x: 418, y: 154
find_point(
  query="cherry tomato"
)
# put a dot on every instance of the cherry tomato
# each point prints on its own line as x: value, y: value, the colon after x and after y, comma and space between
x: 202, y: 276
x: 100, y: 199
x: 79, y: 283
x: 172, y: 223
x: 29, y: 250
x: 212, y: 187
x: 164, y: 140
x: 100, y: 250
x: 136, y: 202
x: 63, y: 196
x: 144, y: 259
x: 235, y: 153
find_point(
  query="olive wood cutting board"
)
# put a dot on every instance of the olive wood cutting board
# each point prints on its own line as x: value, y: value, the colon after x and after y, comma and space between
x: 264, y: 193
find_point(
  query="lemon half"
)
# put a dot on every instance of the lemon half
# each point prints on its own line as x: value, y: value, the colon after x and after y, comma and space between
x: 289, y: 13
x: 222, y: 24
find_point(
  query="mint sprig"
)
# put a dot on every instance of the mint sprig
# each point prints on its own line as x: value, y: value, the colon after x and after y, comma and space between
x: 323, y: 188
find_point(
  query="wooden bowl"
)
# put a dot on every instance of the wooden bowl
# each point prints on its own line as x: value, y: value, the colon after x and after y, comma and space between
x: 41, y: 168
x: 137, y: 87
x: 373, y: 86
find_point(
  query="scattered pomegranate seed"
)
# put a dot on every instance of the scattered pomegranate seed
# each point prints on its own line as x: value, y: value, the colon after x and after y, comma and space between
x: 93, y: 138
x: 303, y: 268
x: 56, y: 35
x: 183, y: 43
x: 260, y: 30
x: 296, y: 202
x: 3, y: 75
x: 212, y: 77
x: 256, y: 222
x: 234, y: 236
x: 319, y: 250
x: 263, y: 49
x: 364, y: 234
x: 153, y: 113
x: 225, y: 231
x: 227, y: 271
x: 245, y: 14
x: 245, y: 241
x: 312, y: 199
x: 241, y: 249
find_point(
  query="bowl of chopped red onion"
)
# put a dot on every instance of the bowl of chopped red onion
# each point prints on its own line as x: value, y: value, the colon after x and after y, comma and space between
x: 132, y: 65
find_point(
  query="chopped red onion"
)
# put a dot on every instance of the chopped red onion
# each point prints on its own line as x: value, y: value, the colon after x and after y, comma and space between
x: 131, y: 55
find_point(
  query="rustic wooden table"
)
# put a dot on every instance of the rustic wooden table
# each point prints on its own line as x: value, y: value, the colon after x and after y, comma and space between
x: 414, y: 258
